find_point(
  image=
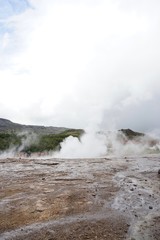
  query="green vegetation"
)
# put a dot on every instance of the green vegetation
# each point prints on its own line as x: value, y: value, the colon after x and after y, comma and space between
x: 52, y: 141
x: 43, y: 142
x: 9, y: 139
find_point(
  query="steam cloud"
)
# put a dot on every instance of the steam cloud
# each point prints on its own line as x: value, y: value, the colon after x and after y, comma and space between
x: 107, y: 144
x: 27, y: 138
x: 91, y: 144
x: 83, y: 63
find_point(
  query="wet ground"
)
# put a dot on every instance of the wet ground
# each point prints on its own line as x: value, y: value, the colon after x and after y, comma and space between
x: 101, y: 198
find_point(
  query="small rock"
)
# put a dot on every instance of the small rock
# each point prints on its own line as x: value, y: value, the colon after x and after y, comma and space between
x: 159, y: 171
x: 39, y: 210
x: 43, y: 178
x: 150, y: 207
x: 132, y: 189
x: 129, y: 181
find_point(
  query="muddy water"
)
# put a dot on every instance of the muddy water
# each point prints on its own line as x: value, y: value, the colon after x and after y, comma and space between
x: 102, y: 198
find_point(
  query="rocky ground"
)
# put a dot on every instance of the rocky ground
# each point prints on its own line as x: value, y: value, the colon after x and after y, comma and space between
x: 102, y: 198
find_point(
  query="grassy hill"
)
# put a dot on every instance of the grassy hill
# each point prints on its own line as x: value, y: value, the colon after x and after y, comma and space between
x: 30, y: 139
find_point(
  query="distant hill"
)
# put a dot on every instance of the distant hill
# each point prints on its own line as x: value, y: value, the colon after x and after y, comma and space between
x: 7, y: 126
x: 130, y: 134
x: 30, y: 138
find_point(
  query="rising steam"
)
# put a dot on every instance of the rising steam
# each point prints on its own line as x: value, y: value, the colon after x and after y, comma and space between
x: 102, y: 144
x: 27, y: 138
x: 91, y: 144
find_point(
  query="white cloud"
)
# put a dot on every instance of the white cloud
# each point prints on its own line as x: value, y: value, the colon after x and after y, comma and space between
x: 81, y: 62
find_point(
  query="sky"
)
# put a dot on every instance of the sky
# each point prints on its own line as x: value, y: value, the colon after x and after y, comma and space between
x: 81, y: 64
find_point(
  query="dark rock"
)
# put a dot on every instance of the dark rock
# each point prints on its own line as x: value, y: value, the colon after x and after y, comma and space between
x: 150, y: 207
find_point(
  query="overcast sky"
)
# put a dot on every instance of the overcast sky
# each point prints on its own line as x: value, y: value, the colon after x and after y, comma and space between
x: 81, y: 63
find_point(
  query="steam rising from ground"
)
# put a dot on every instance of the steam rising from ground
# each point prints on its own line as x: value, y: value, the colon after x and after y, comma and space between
x: 106, y: 144
x: 91, y: 144
x: 91, y: 61
x: 27, y: 138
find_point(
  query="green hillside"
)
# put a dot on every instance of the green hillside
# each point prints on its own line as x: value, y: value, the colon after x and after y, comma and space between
x: 30, y: 138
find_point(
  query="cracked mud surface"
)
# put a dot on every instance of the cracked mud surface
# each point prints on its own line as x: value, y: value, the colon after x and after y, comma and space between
x: 101, y: 198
